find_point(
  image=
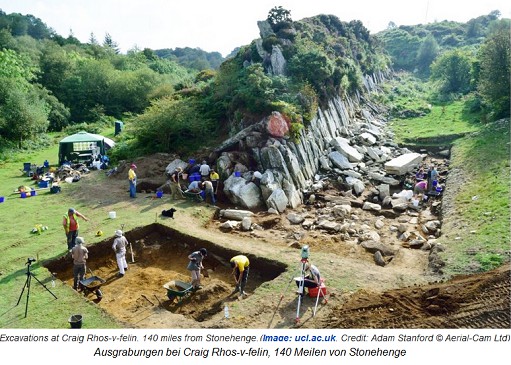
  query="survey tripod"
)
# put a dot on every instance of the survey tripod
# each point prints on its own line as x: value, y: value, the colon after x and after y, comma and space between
x: 30, y: 275
x: 301, y: 284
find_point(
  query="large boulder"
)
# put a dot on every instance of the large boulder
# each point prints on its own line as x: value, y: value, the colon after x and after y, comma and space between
x: 276, y: 125
x: 278, y: 62
x: 339, y: 160
x: 403, y: 164
x: 241, y: 192
x: 171, y: 167
x: 342, y: 145
x: 277, y: 200
x: 235, y: 214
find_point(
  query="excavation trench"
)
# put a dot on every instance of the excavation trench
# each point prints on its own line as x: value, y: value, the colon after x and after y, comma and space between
x: 160, y: 256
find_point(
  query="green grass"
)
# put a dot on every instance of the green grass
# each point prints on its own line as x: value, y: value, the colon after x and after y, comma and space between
x: 443, y: 124
x: 18, y: 217
x: 483, y: 202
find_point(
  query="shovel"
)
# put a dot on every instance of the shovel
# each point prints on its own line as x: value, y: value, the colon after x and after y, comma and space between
x: 132, y: 257
x: 131, y: 247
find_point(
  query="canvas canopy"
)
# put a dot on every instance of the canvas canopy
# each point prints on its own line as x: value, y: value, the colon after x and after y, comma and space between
x: 81, y: 147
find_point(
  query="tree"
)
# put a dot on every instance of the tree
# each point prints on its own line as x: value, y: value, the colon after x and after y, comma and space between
x: 391, y: 25
x: 92, y: 39
x: 110, y: 44
x: 22, y: 112
x: 494, y: 71
x: 278, y: 15
x: 427, y: 53
x: 452, y: 71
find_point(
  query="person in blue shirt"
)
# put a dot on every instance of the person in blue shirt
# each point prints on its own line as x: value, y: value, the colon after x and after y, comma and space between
x: 194, y: 187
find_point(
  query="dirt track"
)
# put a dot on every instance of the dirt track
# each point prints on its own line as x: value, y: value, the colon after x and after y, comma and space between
x: 361, y: 294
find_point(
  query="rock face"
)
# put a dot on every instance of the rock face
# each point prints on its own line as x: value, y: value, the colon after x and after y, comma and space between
x: 347, y: 138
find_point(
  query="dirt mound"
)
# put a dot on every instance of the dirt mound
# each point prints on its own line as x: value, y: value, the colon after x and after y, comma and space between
x: 475, y: 301
x: 148, y: 167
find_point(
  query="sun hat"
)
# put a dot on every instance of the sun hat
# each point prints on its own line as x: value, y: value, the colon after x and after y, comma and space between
x: 133, y: 166
x: 118, y: 233
x: 79, y: 240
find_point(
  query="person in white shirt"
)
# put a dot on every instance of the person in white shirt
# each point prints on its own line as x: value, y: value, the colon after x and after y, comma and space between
x: 119, y: 246
x: 204, y: 170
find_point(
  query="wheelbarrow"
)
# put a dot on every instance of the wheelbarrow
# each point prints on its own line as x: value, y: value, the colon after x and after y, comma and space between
x: 193, y: 196
x: 92, y: 285
x: 177, y: 289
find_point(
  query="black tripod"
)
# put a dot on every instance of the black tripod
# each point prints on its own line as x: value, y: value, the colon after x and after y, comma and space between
x: 27, y: 284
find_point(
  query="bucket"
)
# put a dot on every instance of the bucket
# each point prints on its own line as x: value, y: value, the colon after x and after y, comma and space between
x: 75, y: 321
x: 159, y: 194
x: 23, y: 195
x: 415, y: 202
x: 33, y: 193
x: 2, y: 199
x: 111, y: 215
x: 237, y: 174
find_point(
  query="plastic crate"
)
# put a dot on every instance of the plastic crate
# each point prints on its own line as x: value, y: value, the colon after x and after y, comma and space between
x: 43, y: 184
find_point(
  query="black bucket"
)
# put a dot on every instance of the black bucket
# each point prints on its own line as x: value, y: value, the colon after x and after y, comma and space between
x: 75, y: 321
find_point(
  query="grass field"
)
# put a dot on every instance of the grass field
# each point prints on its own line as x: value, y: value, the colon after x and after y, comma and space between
x: 18, y: 217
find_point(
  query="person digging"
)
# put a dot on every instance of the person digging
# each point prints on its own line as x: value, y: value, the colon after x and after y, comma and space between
x: 240, y: 268
x: 195, y: 266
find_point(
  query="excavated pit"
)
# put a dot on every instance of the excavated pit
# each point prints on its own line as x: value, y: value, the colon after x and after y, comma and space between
x: 160, y: 256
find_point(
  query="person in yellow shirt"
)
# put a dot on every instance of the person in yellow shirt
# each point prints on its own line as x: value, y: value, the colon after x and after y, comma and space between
x: 214, y: 177
x: 240, y: 268
x: 132, y: 177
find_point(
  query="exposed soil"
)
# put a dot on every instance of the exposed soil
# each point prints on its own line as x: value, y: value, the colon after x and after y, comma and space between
x: 360, y: 293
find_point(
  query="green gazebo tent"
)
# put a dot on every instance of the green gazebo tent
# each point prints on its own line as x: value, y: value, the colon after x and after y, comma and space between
x: 81, y: 147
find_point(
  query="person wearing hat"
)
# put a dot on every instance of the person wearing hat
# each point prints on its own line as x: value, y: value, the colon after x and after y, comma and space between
x: 70, y: 223
x: 132, y: 177
x: 175, y: 189
x: 119, y: 246
x: 195, y: 266
x: 80, y: 254
x: 312, y: 277
x: 240, y: 268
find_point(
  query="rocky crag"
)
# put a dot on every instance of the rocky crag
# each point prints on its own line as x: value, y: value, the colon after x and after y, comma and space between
x: 346, y: 144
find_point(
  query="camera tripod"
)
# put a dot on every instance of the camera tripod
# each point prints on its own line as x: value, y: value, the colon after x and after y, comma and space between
x: 27, y: 285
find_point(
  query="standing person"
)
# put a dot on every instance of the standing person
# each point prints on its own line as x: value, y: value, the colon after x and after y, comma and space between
x: 132, y: 177
x: 175, y: 188
x: 80, y: 254
x: 214, y: 177
x: 195, y: 266
x: 208, y: 190
x: 204, y: 170
x: 71, y: 226
x: 434, y: 177
x: 240, y: 265
x: 119, y: 246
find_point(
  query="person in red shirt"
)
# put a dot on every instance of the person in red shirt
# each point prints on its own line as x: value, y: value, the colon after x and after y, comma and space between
x: 71, y: 225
